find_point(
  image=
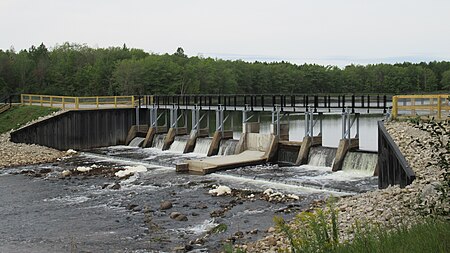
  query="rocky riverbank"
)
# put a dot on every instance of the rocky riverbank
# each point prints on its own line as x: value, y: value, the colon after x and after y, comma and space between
x: 15, y: 154
x: 426, y: 147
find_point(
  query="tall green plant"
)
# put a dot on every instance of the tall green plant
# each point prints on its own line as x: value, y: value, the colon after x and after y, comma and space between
x: 315, y: 231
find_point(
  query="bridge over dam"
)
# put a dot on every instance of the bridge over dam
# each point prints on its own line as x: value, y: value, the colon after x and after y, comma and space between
x: 233, y: 131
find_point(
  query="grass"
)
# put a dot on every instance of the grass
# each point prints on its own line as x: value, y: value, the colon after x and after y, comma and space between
x: 317, y: 232
x: 20, y: 115
x: 431, y: 236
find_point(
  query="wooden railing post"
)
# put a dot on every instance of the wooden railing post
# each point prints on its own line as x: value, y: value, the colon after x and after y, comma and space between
x: 439, y: 107
x: 394, y: 107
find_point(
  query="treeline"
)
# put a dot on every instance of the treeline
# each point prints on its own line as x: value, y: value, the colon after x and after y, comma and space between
x: 78, y: 70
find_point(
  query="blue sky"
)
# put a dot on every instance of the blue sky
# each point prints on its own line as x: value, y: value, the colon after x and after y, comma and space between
x: 322, y: 31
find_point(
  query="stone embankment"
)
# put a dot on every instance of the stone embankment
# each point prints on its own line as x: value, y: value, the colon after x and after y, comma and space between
x: 426, y: 147
x: 15, y: 154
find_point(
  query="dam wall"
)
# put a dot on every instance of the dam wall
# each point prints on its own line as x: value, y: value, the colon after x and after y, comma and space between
x: 82, y: 129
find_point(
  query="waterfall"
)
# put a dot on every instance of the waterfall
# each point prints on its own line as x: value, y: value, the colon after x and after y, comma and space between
x: 179, y: 143
x: 361, y: 161
x: 227, y: 147
x: 202, y: 145
x: 158, y: 141
x: 287, y: 156
x: 136, y: 142
x: 321, y: 156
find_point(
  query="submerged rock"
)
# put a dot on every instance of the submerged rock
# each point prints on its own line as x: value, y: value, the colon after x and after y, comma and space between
x: 178, y: 216
x: 165, y: 205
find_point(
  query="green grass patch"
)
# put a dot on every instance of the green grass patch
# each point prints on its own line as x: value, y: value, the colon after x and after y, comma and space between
x: 317, y: 232
x: 431, y: 236
x: 19, y: 115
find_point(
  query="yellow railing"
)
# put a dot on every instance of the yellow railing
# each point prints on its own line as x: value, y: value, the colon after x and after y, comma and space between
x: 78, y: 103
x: 421, y: 105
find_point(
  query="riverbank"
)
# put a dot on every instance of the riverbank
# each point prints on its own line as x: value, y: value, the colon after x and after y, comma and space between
x: 16, y: 154
x: 426, y: 148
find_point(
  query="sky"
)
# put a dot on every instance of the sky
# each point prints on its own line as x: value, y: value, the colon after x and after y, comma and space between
x: 327, y: 32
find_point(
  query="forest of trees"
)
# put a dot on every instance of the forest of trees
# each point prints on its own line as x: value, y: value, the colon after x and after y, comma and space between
x: 78, y: 70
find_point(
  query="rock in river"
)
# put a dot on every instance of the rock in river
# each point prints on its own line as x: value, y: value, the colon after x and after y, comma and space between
x: 165, y: 205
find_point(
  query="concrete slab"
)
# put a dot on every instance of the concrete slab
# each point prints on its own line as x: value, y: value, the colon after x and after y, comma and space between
x: 213, y: 164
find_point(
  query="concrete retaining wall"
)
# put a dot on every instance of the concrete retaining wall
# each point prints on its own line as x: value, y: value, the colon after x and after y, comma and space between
x: 84, y: 129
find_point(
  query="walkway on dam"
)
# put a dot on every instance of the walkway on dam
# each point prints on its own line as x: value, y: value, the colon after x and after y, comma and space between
x: 437, y: 105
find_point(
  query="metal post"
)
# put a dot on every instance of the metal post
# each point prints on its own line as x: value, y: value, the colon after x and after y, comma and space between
x: 357, y: 125
x: 321, y: 126
x: 343, y: 103
x: 173, y: 117
x: 195, y: 118
x: 349, y: 126
x: 353, y: 103
x: 278, y: 121
x: 306, y: 123
x: 219, y: 119
x: 344, y: 124
x: 262, y: 102
x: 137, y: 117
x: 153, y: 117
x: 244, y: 115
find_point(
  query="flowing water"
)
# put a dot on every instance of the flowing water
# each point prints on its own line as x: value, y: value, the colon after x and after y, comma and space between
x: 136, y: 142
x: 362, y: 162
x: 321, y: 156
x: 42, y: 211
x: 158, y: 141
x: 98, y: 213
x: 179, y: 143
x: 202, y: 145
x: 227, y: 147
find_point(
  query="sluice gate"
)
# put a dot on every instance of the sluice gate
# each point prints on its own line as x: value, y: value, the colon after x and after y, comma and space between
x: 253, y: 147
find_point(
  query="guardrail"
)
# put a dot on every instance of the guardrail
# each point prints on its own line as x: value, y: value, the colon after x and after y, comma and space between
x: 78, y: 103
x: 265, y: 101
x: 5, y: 103
x: 421, y: 105
x: 393, y: 169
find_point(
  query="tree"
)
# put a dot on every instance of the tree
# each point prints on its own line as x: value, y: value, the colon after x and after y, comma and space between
x: 445, y: 81
x: 180, y: 53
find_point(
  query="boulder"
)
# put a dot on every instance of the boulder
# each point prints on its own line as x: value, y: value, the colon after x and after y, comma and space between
x: 166, y: 205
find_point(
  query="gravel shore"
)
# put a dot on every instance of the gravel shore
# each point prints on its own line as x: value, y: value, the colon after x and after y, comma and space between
x: 15, y: 154
x: 426, y: 148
